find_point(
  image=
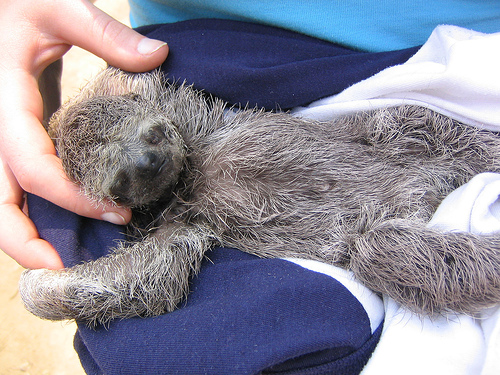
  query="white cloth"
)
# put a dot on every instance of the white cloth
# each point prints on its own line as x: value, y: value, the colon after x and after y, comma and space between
x: 412, y: 345
x: 456, y: 73
x: 473, y: 207
x: 447, y: 345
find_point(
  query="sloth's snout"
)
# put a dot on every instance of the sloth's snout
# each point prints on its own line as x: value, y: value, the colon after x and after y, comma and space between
x: 148, y: 177
x: 150, y: 164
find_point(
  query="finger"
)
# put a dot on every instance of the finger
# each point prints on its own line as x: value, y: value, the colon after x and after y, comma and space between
x: 109, y: 39
x: 19, y: 239
x: 18, y: 235
x: 52, y: 184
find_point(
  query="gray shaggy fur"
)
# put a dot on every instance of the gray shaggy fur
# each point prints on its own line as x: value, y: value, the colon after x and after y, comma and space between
x: 356, y: 192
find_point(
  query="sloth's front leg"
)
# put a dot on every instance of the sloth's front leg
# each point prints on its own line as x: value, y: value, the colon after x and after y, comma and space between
x: 147, y: 278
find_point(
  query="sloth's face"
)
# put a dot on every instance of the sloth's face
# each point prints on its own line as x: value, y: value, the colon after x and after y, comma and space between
x: 144, y: 168
x: 121, y: 148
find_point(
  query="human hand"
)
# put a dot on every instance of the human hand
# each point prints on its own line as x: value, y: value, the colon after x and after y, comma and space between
x: 33, y: 34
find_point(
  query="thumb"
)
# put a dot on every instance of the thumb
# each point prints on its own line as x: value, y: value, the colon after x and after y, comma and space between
x: 119, y: 45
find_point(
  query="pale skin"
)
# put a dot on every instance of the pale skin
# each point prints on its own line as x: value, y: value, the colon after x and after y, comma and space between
x: 33, y: 34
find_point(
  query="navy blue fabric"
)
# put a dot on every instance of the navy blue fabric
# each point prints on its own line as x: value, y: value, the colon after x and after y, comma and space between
x: 245, y: 314
x: 258, y: 65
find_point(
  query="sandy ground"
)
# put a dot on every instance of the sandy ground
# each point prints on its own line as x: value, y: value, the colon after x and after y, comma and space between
x: 29, y: 345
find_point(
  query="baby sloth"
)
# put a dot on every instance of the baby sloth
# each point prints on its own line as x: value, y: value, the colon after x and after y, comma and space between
x: 356, y: 192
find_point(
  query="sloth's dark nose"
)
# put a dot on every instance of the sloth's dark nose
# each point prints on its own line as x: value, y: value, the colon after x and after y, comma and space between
x: 149, y: 164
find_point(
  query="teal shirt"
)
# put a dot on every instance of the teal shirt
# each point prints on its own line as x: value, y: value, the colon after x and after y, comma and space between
x: 376, y: 25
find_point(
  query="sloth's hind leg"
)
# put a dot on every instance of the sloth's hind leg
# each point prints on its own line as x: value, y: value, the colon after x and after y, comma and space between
x: 427, y: 270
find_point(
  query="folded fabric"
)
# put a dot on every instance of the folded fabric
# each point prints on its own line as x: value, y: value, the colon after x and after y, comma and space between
x: 473, y: 207
x: 244, y: 315
x: 256, y: 65
x: 455, y: 73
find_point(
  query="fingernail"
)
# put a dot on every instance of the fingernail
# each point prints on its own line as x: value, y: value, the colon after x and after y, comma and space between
x: 149, y: 46
x: 114, y: 218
